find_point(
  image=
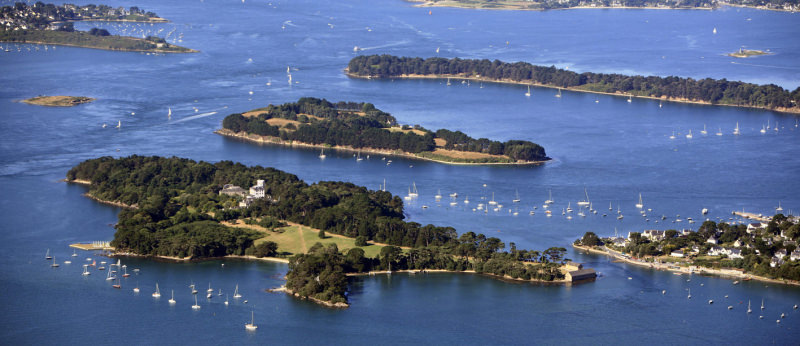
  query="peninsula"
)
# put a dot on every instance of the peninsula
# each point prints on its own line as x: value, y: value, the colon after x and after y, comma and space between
x: 50, y: 24
x: 765, y: 251
x: 188, y: 210
x: 361, y: 127
x: 541, y: 5
x: 58, y: 101
x: 676, y: 89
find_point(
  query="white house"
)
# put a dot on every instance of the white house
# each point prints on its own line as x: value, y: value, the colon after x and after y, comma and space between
x: 712, y: 240
x: 258, y: 191
x: 795, y: 255
x: 716, y: 251
x: 653, y: 234
x: 734, y: 253
x: 677, y: 253
x: 775, y: 261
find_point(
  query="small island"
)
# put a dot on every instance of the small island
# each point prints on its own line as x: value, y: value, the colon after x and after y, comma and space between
x: 179, y: 209
x: 50, y: 24
x: 705, y: 91
x: 58, y: 101
x: 746, y: 53
x: 541, y: 5
x: 360, y: 127
x: 765, y: 251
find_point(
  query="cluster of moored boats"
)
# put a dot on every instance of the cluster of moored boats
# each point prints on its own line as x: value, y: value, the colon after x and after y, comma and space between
x: 115, y: 270
x: 736, y: 130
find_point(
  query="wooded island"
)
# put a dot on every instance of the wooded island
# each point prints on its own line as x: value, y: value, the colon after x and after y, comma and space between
x: 677, y: 89
x: 180, y: 208
x: 362, y: 127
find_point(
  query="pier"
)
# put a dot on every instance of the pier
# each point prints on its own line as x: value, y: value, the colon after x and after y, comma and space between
x: 752, y: 216
x: 95, y: 245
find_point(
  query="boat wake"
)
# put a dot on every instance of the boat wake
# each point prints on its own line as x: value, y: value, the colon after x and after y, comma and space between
x: 392, y: 44
x: 194, y: 117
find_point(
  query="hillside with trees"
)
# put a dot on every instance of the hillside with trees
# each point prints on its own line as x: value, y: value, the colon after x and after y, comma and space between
x: 710, y: 91
x: 362, y: 126
x: 175, y: 210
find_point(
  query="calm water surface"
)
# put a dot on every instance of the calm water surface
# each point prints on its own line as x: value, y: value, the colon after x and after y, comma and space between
x: 612, y: 148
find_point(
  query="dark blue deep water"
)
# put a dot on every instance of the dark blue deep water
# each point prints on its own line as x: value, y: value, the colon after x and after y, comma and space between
x: 613, y: 148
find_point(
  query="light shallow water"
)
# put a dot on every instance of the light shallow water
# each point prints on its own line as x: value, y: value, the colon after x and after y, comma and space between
x: 614, y: 149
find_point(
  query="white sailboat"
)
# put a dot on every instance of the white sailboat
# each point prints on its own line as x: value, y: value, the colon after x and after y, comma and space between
x: 322, y: 153
x: 528, y: 94
x: 413, y: 192
x: 704, y: 131
x: 74, y: 253
x: 195, y: 306
x: 762, y: 303
x: 209, y: 288
x: 690, y: 294
x: 689, y: 135
x: 640, y: 205
x: 438, y: 194
x: 550, y: 197
x: 448, y: 81
x: 466, y: 200
x: 569, y: 207
x: 109, y: 277
x: 516, y: 200
x: 47, y: 255
x: 736, y: 130
x: 54, y: 265
x: 86, y: 270
x: 749, y: 310
x: 779, y: 208
x: 492, y: 202
x: 157, y: 293
x: 630, y: 98
x: 169, y: 112
x: 763, y: 129
x: 226, y: 300
x: 119, y: 123
x: 719, y: 132
x: 252, y: 325
x: 236, y: 294
x: 172, y: 300
x: 559, y: 93
x: 586, y: 201
x: 358, y: 156
x: 672, y: 136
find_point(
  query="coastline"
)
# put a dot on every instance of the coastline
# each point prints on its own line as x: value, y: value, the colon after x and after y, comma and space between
x: 189, y: 50
x: 387, y: 152
x: 725, y: 273
x: 492, y: 276
x: 619, y: 94
x: 204, y: 259
x: 89, y: 195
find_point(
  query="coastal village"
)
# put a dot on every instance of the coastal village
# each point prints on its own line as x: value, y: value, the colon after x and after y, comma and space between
x: 768, y: 248
x: 40, y: 16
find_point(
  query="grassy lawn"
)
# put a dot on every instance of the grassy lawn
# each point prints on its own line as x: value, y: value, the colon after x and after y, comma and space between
x: 293, y: 241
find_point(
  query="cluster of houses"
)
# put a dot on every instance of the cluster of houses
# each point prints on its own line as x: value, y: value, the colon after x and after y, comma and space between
x: 257, y: 191
x: 753, y: 229
x: 50, y: 17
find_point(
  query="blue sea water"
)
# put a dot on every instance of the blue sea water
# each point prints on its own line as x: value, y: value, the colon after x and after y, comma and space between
x: 613, y: 149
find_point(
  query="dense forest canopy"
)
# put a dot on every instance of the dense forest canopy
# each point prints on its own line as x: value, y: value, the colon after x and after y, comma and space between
x: 361, y: 125
x: 177, y: 209
x: 709, y: 90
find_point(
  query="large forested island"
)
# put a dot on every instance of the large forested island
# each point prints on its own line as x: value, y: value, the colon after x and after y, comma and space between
x: 539, y: 5
x: 182, y: 209
x: 50, y: 24
x: 762, y: 250
x: 678, y: 89
x: 362, y: 127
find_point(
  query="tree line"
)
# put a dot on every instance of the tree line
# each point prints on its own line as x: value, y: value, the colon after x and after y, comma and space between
x: 714, y: 91
x: 361, y: 125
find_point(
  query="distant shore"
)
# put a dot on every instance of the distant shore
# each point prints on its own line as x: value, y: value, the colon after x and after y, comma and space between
x: 747, y: 53
x: 386, y: 152
x: 618, y: 94
x: 114, y: 203
x: 726, y: 273
x: 506, y: 6
x: 58, y: 101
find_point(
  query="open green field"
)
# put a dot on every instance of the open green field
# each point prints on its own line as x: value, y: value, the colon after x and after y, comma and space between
x: 292, y: 241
